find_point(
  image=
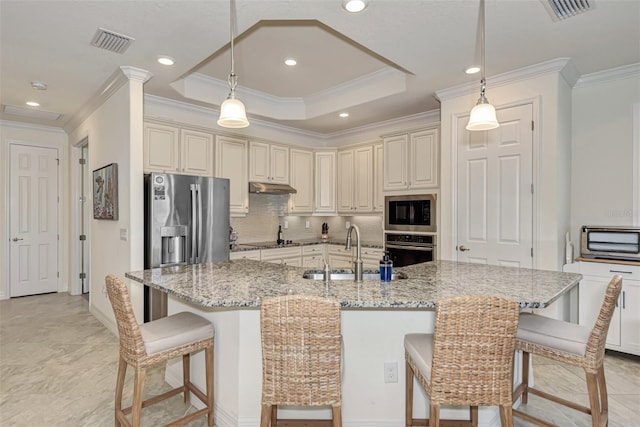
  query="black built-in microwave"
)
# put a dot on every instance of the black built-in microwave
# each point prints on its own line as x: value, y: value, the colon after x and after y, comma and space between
x: 411, y: 213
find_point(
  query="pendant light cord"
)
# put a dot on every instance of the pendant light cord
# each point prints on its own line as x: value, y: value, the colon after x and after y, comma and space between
x: 483, y: 81
x: 232, y: 77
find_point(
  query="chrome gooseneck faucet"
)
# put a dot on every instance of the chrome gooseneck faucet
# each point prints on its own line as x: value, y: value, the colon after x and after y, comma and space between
x: 358, y: 263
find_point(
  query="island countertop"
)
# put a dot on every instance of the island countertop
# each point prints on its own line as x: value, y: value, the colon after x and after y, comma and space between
x: 243, y: 283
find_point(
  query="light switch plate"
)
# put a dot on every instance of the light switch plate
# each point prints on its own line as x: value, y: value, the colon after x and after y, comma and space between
x: 124, y: 234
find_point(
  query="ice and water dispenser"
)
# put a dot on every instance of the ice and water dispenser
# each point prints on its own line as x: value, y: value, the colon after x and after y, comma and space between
x: 174, y: 245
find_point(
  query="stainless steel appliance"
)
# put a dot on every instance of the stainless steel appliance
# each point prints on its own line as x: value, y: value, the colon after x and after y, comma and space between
x: 410, y: 213
x: 613, y: 242
x: 186, y: 222
x: 409, y: 249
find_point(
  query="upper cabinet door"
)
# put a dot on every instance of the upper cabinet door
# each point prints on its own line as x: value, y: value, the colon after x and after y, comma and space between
x: 423, y: 159
x: 301, y: 180
x: 363, y: 179
x: 196, y: 153
x: 279, y: 160
x: 378, y: 185
x: 259, y: 159
x: 345, y: 181
x: 325, y: 182
x: 231, y: 163
x: 161, y: 152
x: 395, y: 162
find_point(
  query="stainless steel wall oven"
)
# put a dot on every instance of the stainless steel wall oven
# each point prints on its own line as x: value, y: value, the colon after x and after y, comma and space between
x: 409, y: 249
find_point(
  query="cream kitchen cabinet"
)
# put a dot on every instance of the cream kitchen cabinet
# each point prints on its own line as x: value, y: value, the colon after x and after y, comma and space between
x: 254, y: 255
x: 171, y: 149
x: 325, y: 182
x: 624, y: 330
x: 268, y: 163
x: 339, y: 257
x: 301, y: 167
x: 285, y: 256
x: 355, y: 180
x: 231, y: 163
x: 371, y: 257
x: 411, y: 160
x: 378, y: 178
x: 313, y: 256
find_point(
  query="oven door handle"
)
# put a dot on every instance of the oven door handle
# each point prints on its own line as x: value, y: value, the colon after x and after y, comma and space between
x: 411, y: 248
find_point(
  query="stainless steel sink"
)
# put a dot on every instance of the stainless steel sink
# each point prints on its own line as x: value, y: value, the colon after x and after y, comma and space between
x: 349, y: 275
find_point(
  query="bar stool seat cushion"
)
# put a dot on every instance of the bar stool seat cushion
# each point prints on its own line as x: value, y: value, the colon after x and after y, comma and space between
x: 420, y: 348
x: 174, y: 331
x: 557, y: 334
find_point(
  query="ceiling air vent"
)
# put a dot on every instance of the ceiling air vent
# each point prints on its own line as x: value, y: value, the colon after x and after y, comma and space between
x: 30, y: 112
x: 563, y: 9
x: 111, y: 41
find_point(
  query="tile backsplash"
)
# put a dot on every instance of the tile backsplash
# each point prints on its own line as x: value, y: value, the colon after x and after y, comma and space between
x: 267, y: 211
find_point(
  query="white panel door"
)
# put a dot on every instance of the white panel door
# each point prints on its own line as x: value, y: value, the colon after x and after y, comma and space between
x: 494, y: 202
x: 33, y: 220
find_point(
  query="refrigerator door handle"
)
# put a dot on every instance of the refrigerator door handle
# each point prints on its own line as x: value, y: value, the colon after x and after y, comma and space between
x: 194, y: 225
x: 199, y: 230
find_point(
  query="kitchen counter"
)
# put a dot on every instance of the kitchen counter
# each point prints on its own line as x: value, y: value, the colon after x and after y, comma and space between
x: 374, y: 320
x: 243, y: 283
x: 304, y: 242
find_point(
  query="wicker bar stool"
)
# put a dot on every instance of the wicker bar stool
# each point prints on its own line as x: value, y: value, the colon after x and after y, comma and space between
x: 301, y: 355
x: 467, y: 361
x: 574, y: 345
x: 142, y: 346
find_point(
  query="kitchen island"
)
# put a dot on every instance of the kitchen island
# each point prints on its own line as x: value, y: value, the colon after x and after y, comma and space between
x: 375, y: 318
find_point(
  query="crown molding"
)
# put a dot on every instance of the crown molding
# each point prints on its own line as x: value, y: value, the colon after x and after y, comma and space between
x: 623, y: 72
x: 564, y: 66
x: 136, y: 74
x: 29, y: 126
x: 111, y: 86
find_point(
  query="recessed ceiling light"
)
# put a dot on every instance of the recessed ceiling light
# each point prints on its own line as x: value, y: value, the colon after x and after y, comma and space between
x: 166, y: 60
x: 343, y: 115
x: 290, y: 62
x: 33, y: 104
x: 354, y: 6
x: 473, y: 69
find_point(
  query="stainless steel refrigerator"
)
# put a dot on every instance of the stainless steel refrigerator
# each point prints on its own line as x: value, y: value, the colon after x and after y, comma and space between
x: 186, y: 222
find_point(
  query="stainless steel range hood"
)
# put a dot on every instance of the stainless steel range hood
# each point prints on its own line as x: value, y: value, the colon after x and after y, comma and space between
x: 270, y: 188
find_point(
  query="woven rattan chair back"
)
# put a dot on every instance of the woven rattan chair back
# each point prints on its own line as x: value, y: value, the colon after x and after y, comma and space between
x: 131, y: 343
x: 301, y: 352
x: 474, y: 344
x: 597, y: 339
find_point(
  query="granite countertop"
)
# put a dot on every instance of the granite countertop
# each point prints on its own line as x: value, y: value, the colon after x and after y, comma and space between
x: 295, y: 243
x: 243, y: 283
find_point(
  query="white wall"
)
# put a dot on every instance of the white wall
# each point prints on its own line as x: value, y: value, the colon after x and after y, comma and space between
x: 115, y: 134
x: 602, y: 180
x: 43, y: 137
x: 548, y: 88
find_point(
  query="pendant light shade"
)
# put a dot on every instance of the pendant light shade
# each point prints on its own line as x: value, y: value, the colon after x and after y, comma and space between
x: 483, y: 115
x: 232, y: 112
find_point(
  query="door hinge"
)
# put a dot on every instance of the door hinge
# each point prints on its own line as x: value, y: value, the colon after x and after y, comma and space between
x: 532, y: 125
x: 58, y: 274
x: 83, y: 275
x: 58, y: 237
x: 58, y: 162
x: 83, y: 237
x: 82, y: 161
x: 531, y: 252
x: 531, y: 188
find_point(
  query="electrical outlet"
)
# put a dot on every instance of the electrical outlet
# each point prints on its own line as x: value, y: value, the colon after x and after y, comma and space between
x: 390, y: 372
x: 347, y: 225
x: 306, y: 224
x: 286, y: 225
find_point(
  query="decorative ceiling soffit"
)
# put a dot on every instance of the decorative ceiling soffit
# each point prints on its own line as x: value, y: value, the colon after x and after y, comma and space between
x: 377, y: 85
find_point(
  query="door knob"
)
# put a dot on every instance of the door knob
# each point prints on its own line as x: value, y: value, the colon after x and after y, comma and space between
x: 15, y: 239
x: 461, y: 248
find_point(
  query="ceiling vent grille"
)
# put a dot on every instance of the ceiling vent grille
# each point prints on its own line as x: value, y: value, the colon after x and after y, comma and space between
x: 563, y: 9
x: 32, y: 113
x: 111, y: 41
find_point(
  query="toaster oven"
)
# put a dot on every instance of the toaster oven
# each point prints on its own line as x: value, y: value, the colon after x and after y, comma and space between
x: 613, y: 242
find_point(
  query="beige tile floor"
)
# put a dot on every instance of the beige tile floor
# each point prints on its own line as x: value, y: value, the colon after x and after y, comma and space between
x: 58, y: 368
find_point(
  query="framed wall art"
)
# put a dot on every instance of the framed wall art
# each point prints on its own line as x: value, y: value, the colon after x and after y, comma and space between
x: 105, y: 192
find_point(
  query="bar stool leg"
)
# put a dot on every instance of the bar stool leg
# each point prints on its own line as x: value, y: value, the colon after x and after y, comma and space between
x: 337, y: 416
x: 473, y: 416
x: 186, y: 376
x: 122, y: 371
x: 408, y: 395
x: 525, y: 376
x: 265, y: 416
x: 138, y: 389
x: 594, y: 403
x: 434, y: 414
x: 209, y: 373
x: 506, y: 416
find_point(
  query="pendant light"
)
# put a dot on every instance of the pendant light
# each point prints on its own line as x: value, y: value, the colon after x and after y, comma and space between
x: 483, y: 115
x: 232, y: 112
